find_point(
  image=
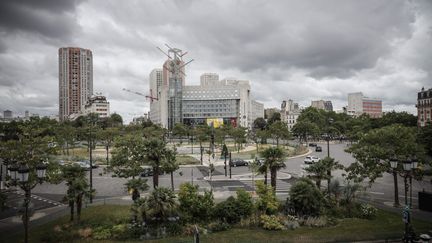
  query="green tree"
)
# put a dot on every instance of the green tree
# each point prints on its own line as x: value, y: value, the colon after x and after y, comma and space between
x: 179, y: 130
x: 155, y: 154
x: 260, y: 123
x: 274, y: 158
x: 107, y: 136
x: 65, y: 135
x: 195, y: 207
x: 267, y: 202
x: 305, y: 198
x: 239, y: 136
x: 303, y: 129
x: 77, y: 188
x: 115, y: 120
x: 233, y: 209
x: 274, y: 118
x: 279, y: 130
x: 170, y: 164
x: 375, y: 149
x: 424, y: 137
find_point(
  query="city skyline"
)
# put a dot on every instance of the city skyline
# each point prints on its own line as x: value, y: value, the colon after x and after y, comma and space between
x: 288, y: 50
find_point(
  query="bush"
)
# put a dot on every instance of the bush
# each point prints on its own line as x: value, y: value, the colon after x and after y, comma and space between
x: 58, y: 236
x: 227, y: 211
x: 244, y: 203
x: 305, y: 198
x: 271, y: 222
x: 267, y: 201
x: 174, y: 229
x: 193, y: 206
x: 101, y: 233
x: 119, y: 231
x: 218, y: 226
x: 291, y: 222
x: 367, y: 211
x: 314, y: 221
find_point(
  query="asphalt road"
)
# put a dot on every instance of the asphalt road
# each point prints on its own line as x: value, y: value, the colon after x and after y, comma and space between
x: 108, y: 187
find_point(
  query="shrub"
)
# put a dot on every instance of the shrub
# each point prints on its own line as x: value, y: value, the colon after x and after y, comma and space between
x: 314, y: 221
x: 267, y: 201
x: 244, y: 203
x: 119, y: 231
x: 367, y: 211
x: 271, y: 222
x: 218, y: 226
x: 305, y: 198
x: 101, y: 233
x: 174, y: 228
x: 227, y: 211
x: 59, y: 236
x: 85, y: 233
x: 193, y: 206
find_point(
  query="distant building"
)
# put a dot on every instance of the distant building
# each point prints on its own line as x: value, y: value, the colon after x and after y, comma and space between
x: 322, y: 104
x: 75, y: 80
x: 328, y: 106
x: 227, y: 101
x: 424, y: 107
x: 290, y: 112
x: 359, y: 104
x: 269, y: 112
x: 98, y: 104
x: 7, y: 114
x: 209, y: 79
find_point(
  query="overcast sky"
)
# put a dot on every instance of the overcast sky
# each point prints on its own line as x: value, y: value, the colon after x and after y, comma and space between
x: 300, y: 50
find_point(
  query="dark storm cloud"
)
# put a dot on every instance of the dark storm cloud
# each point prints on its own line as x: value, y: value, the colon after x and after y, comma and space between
x: 50, y: 18
x: 303, y: 50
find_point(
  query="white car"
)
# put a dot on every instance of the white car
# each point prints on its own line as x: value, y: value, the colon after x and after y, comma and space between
x: 311, y: 159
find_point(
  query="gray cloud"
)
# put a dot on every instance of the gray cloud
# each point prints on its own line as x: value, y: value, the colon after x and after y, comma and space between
x: 302, y: 50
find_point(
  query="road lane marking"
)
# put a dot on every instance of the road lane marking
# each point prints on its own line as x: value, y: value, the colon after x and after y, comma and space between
x: 378, y: 193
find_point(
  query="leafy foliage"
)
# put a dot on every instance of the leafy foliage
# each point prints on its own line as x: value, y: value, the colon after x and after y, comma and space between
x: 305, y: 198
x: 267, y: 201
x: 193, y: 206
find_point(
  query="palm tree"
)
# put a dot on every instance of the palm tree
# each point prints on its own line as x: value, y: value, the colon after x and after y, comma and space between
x: 336, y: 190
x: 274, y: 157
x: 161, y: 203
x: 331, y: 165
x: 318, y: 172
x: 136, y: 185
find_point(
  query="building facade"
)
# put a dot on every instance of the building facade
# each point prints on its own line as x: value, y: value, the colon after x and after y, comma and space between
x: 359, y: 104
x: 424, y: 107
x: 322, y: 104
x: 225, y: 101
x: 75, y: 80
x: 7, y: 114
x: 290, y: 111
x: 98, y: 104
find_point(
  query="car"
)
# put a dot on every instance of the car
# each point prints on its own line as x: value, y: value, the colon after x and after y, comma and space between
x: 238, y: 162
x: 318, y: 149
x: 94, y: 165
x: 82, y: 164
x: 311, y: 159
x: 148, y: 171
x: 312, y: 144
x: 260, y: 161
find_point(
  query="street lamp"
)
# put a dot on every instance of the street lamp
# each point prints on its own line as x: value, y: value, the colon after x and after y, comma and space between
x: 20, y: 176
x: 329, y: 121
x: 394, y: 165
x: 409, y: 165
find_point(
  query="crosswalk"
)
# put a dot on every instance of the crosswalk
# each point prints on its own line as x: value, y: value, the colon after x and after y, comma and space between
x: 282, y: 186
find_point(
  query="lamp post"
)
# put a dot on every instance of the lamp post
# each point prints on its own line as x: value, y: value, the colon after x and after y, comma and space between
x: 329, y: 121
x: 409, y: 165
x: 394, y: 165
x: 22, y: 176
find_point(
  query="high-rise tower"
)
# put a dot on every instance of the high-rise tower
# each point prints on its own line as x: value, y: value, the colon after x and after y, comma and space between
x: 75, y: 80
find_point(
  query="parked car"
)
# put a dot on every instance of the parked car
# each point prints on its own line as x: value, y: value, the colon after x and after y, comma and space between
x: 148, y: 171
x: 260, y: 161
x: 312, y: 144
x: 94, y: 165
x: 318, y: 149
x: 311, y: 159
x: 238, y: 162
x: 83, y: 165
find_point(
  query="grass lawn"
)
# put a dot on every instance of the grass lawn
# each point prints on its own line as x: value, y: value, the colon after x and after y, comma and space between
x: 187, y: 160
x: 385, y: 226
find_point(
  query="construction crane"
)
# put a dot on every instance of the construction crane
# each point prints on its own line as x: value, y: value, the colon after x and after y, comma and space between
x: 138, y: 93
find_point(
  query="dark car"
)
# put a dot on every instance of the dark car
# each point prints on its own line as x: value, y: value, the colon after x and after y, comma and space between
x: 318, y: 149
x: 238, y: 162
x: 312, y: 144
x: 148, y: 171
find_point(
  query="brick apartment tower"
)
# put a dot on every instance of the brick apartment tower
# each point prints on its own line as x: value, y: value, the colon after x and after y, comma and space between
x: 75, y: 80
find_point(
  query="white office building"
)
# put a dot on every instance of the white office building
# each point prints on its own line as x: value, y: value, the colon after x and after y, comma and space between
x: 228, y: 101
x: 98, y: 104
